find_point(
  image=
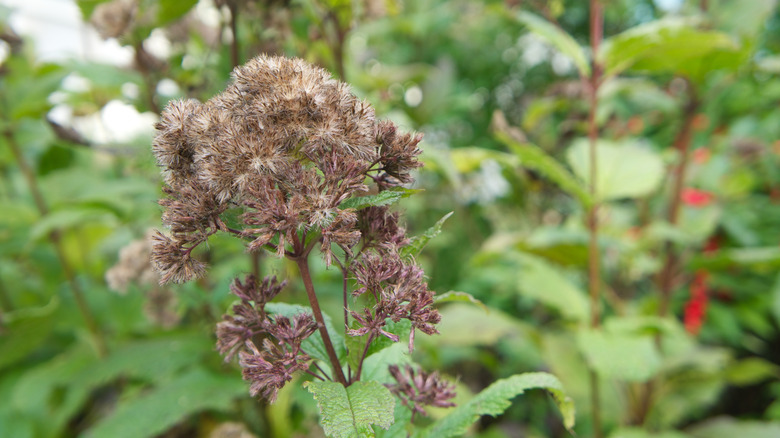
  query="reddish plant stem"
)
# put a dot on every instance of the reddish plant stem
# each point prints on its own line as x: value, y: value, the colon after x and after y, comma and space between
x: 363, y: 356
x: 682, y: 143
x: 56, y: 239
x: 594, y: 275
x: 303, y: 266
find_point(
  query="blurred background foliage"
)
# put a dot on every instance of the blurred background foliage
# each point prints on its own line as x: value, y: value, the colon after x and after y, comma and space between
x: 91, y: 346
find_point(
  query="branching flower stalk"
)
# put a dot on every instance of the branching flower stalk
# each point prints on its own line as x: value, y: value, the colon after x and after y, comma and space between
x: 291, y: 150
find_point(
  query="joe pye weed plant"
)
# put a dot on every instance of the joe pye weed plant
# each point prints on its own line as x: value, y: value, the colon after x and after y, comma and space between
x: 289, y: 160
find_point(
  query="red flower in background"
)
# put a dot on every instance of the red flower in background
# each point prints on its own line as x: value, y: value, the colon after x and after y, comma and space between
x: 696, y: 307
x: 696, y: 197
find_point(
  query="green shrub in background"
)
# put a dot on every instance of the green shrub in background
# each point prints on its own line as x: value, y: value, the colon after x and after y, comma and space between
x: 671, y: 333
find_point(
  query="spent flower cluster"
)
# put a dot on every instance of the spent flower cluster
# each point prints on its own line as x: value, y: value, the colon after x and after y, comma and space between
x: 285, y: 146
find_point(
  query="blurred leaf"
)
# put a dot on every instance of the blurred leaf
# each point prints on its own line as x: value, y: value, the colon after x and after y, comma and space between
x: 558, y: 38
x: 16, y: 425
x: 669, y: 46
x: 453, y: 296
x: 169, y: 403
x: 625, y: 170
x: 620, y: 356
x: 469, y: 159
x: 540, y: 281
x: 25, y: 330
x: 495, y: 399
x: 535, y: 158
x: 401, y: 425
x: 171, y: 10
x: 744, y: 18
x: 741, y: 257
x: 775, y: 300
x: 417, y: 243
x: 727, y: 427
x: 385, y: 197
x: 458, y: 322
x: 88, y: 6
x: 70, y: 218
x: 350, y: 412
x: 751, y: 371
x: 313, y: 345
x: 635, y: 432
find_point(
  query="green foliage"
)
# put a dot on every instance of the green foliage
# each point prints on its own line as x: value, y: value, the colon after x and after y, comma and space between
x: 383, y: 198
x: 350, y: 412
x: 417, y: 243
x: 168, y: 403
x: 558, y: 38
x: 494, y: 400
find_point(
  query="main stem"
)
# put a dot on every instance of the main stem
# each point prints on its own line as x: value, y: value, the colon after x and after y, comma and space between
x: 303, y: 266
x: 56, y: 240
x: 594, y: 275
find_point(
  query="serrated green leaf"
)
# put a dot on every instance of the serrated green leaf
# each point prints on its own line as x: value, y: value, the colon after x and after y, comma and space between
x: 619, y: 355
x: 496, y: 398
x: 168, y: 404
x: 625, y: 170
x: 350, y: 412
x: 562, y: 41
x: 535, y: 158
x: 382, y: 198
x: 454, y: 296
x: 417, y: 243
x: 313, y: 345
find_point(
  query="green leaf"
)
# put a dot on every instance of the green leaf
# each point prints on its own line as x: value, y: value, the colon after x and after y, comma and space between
x: 540, y: 281
x: 620, y: 355
x: 454, y: 296
x: 167, y: 404
x: 668, y: 46
x: 356, y: 344
x: 625, y: 170
x: 313, y: 345
x: 417, y: 243
x: 469, y: 159
x: 751, y: 371
x: 767, y: 257
x: 375, y: 365
x: 458, y: 322
x: 350, y: 412
x: 88, y: 6
x: 25, y: 330
x: 382, y: 198
x: 775, y: 309
x: 171, y: 10
x: 496, y: 398
x: 533, y: 157
x: 727, y: 427
x: 635, y: 432
x: 562, y: 41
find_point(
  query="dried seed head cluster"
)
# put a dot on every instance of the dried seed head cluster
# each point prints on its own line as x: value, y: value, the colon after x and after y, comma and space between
x: 281, y: 150
x: 286, y: 142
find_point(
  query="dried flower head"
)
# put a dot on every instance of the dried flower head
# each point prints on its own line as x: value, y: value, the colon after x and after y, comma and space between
x: 285, y: 142
x: 133, y: 266
x: 113, y: 19
x: 417, y: 389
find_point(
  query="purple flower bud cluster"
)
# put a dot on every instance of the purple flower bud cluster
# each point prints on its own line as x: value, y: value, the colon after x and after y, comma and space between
x: 418, y: 389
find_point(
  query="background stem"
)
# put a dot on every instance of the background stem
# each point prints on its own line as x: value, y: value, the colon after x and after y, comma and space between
x: 56, y: 239
x: 594, y: 275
